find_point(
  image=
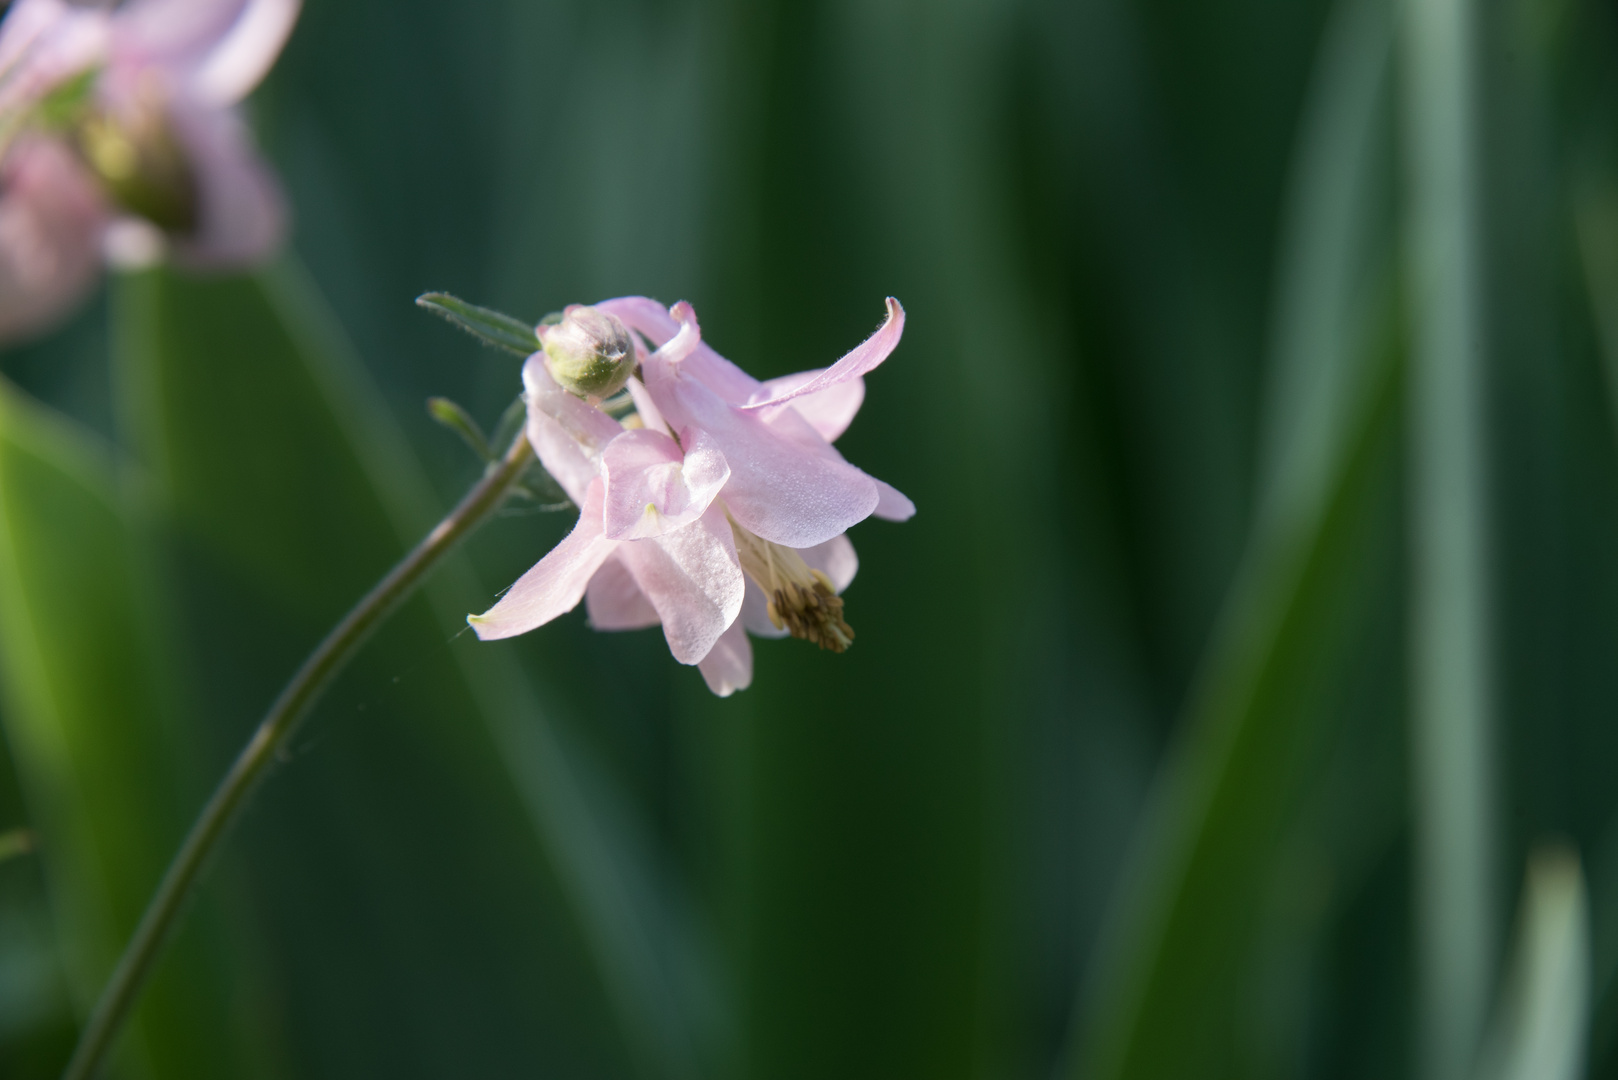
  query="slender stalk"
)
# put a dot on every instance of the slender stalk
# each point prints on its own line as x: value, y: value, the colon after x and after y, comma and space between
x: 278, y: 724
x: 1451, y: 707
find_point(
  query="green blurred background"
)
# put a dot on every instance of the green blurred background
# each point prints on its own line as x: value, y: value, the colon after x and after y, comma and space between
x: 1117, y: 781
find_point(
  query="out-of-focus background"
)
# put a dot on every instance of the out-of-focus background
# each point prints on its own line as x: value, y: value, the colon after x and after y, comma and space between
x: 1134, y: 770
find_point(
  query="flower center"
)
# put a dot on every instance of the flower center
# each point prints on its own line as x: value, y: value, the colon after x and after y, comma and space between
x: 140, y: 161
x: 800, y: 599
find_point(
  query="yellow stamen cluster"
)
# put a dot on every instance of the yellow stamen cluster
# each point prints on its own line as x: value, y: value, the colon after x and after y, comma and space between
x: 801, y: 600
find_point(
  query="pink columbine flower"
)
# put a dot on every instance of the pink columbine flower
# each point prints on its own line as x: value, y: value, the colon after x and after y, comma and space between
x: 717, y: 507
x: 119, y: 138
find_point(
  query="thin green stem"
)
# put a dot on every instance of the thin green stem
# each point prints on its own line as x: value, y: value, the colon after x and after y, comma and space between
x: 278, y: 724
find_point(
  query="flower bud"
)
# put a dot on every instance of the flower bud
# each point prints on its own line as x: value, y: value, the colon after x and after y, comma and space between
x: 141, y: 164
x: 589, y: 352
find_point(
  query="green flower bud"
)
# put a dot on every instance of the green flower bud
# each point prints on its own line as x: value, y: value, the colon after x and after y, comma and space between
x: 590, y: 352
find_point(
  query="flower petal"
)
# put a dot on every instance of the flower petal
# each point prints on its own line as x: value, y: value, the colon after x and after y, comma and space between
x: 776, y: 489
x: 51, y: 219
x: 242, y: 214
x: 891, y: 504
x: 829, y: 411
x: 864, y: 358
x: 646, y: 408
x: 615, y: 602
x: 42, y: 44
x: 836, y: 559
x: 677, y: 348
x: 693, y: 578
x: 246, y: 53
x: 728, y: 667
x: 556, y: 583
x: 652, y: 320
x: 567, y: 434
x: 176, y: 34
x: 644, y: 314
x: 795, y: 428
x: 652, y: 488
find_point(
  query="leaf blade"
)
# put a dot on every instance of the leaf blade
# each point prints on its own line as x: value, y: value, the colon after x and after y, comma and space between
x: 495, y: 329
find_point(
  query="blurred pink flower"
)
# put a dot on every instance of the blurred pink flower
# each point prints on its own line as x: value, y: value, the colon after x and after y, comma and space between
x: 51, y: 216
x: 132, y: 111
x: 718, y: 508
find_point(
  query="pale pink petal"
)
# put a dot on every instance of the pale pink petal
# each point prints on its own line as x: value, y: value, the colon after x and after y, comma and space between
x: 891, y: 504
x: 42, y: 44
x: 652, y: 320
x: 836, y: 559
x: 646, y: 408
x: 683, y: 343
x: 245, y: 55
x: 864, y: 359
x: 24, y: 26
x: 643, y: 314
x: 615, y: 602
x: 212, y: 51
x: 830, y: 411
x: 792, y: 426
x: 652, y: 488
x: 241, y: 213
x: 556, y: 583
x: 175, y: 34
x: 728, y: 667
x: 721, y: 376
x: 693, y: 578
x: 569, y: 464
x: 567, y: 434
x: 51, y: 219
x: 775, y: 489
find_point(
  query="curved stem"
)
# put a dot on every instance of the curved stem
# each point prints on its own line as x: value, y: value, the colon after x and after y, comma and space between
x: 280, y: 722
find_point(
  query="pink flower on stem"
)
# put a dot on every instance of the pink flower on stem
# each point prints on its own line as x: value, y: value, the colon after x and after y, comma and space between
x: 717, y: 507
x: 131, y: 112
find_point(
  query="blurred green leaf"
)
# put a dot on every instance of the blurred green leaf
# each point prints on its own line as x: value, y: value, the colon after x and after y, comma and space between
x: 1596, y: 223
x: 450, y: 743
x: 91, y: 726
x: 1453, y: 686
x: 1174, y: 971
x: 1542, y: 1021
x: 14, y: 842
x: 1186, y: 917
x: 493, y: 328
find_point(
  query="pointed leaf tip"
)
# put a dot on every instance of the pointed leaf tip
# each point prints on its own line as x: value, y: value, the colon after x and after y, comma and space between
x: 493, y: 328
x: 458, y: 420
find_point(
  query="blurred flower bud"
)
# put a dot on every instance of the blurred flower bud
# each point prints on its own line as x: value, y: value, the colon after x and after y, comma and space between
x: 141, y: 164
x: 589, y: 352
